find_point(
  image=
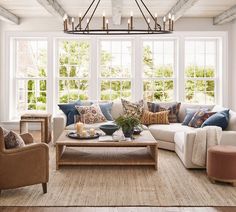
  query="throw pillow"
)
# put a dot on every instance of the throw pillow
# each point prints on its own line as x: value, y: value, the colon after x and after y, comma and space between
x: 199, y: 117
x: 13, y: 140
x: 133, y: 109
x: 155, y: 118
x: 173, y: 107
x: 91, y: 114
x: 190, y: 113
x: 106, y: 110
x: 70, y: 111
x: 220, y: 119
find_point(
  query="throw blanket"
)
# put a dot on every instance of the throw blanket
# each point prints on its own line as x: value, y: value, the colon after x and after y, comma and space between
x: 205, y: 138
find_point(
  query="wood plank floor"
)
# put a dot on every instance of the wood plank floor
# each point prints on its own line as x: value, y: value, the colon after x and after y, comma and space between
x: 118, y: 209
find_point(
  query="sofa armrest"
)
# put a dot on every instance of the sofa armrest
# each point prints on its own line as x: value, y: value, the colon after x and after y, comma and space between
x: 228, y: 138
x: 59, y: 124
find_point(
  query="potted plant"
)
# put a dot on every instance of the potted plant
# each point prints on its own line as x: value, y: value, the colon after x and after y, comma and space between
x: 127, y: 124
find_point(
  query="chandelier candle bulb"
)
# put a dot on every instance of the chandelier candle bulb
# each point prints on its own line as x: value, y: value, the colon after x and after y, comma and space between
x: 148, y: 20
x: 65, y: 22
x: 131, y: 20
x: 164, y: 23
x: 155, y: 21
x: 128, y: 24
x: 103, y: 20
x: 172, y: 22
x: 169, y: 17
x: 73, y: 23
x: 80, y: 19
x: 88, y: 23
x: 107, y: 22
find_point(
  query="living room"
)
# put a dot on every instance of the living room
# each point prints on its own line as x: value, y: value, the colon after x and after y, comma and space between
x: 113, y: 105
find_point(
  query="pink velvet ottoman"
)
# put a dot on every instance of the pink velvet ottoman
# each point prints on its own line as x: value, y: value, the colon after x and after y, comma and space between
x: 221, y: 164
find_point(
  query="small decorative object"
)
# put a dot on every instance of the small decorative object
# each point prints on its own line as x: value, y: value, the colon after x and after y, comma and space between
x: 79, y: 127
x: 91, y: 132
x: 137, y: 130
x: 109, y: 129
x: 74, y: 135
x: 84, y: 133
x: 127, y: 124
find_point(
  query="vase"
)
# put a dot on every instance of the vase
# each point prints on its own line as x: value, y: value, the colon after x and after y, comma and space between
x: 128, y: 133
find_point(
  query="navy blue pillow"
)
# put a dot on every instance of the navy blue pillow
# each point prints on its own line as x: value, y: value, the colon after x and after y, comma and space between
x: 220, y: 119
x: 106, y: 110
x: 70, y: 111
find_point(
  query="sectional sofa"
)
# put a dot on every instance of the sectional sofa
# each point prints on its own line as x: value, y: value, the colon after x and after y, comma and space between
x: 175, y: 136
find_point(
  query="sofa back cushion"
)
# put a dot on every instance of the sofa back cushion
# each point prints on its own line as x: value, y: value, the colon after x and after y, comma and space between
x: 184, y: 106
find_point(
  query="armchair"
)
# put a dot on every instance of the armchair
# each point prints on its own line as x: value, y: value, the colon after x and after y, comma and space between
x: 24, y: 166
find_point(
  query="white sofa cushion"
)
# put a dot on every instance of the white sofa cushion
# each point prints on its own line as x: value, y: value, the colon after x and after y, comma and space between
x: 166, y: 132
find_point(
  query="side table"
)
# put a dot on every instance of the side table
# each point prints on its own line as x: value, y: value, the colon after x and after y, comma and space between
x: 44, y: 118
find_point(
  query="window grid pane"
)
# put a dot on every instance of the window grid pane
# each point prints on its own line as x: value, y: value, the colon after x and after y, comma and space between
x: 115, y: 70
x: 31, y: 75
x: 158, y: 70
x: 74, y: 71
x: 200, y: 71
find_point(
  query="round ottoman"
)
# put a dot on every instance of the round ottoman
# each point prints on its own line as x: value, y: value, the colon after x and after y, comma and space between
x: 221, y: 164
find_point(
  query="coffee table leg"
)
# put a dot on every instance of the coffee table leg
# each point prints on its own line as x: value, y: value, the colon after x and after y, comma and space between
x: 59, y: 151
x: 153, y: 152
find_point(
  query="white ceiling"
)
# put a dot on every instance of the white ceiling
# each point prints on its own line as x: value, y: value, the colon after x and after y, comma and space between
x: 31, y: 8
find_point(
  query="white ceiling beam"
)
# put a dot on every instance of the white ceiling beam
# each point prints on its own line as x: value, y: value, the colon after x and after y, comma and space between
x: 181, y: 7
x: 225, y: 17
x: 6, y: 15
x: 116, y: 11
x: 53, y: 7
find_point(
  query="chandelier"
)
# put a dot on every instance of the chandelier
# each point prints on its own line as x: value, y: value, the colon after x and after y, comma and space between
x: 151, y: 23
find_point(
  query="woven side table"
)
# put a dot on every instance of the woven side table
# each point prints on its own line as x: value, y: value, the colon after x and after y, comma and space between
x: 43, y: 118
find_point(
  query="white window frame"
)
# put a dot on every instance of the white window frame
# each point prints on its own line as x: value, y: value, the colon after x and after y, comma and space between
x: 57, y: 72
x: 175, y: 67
x: 133, y: 74
x: 216, y: 76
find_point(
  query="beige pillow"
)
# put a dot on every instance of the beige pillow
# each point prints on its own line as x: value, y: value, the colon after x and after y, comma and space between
x: 155, y: 118
x: 91, y: 114
x: 133, y: 109
x: 13, y: 140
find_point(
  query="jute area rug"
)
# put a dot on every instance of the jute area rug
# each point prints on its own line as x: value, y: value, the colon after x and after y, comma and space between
x: 171, y: 185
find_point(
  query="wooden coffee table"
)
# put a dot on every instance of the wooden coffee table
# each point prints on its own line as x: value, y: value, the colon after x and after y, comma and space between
x: 142, y: 150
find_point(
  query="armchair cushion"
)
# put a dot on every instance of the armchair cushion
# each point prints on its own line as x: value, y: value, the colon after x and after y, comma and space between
x: 13, y: 140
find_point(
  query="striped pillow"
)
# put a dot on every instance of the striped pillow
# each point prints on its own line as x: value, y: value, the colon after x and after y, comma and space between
x: 155, y: 118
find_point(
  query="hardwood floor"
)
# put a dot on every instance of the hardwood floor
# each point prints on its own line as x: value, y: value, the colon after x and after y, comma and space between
x: 118, y: 209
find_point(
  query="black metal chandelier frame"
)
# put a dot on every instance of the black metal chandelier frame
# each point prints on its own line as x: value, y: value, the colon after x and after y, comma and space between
x: 105, y: 30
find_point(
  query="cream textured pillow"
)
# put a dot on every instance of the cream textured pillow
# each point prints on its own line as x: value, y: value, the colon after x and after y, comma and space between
x: 13, y: 140
x: 133, y: 109
x: 91, y: 114
x: 155, y: 118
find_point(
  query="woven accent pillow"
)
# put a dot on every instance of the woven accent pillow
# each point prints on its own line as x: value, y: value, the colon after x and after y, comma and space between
x: 133, y: 109
x: 199, y: 117
x: 155, y: 118
x: 13, y: 140
x: 173, y: 107
x: 91, y: 114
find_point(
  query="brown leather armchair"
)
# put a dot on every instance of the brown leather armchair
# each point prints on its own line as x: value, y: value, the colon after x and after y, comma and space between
x: 24, y: 166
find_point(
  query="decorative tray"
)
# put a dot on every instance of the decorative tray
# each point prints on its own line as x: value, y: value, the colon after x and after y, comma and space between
x: 74, y: 135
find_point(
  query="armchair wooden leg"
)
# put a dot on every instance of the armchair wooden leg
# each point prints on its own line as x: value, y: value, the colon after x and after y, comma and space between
x: 44, y: 185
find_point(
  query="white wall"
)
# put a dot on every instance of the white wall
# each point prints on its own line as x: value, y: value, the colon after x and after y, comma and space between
x: 184, y: 24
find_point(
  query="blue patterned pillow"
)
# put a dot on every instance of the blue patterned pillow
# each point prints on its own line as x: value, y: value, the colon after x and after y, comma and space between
x: 70, y: 111
x: 106, y: 110
x: 199, y: 118
x: 220, y: 119
x: 190, y: 113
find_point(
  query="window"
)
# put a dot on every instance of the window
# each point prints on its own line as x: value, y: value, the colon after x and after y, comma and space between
x: 74, y: 70
x: 31, y: 75
x: 158, y: 70
x: 115, y: 69
x: 200, y: 70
